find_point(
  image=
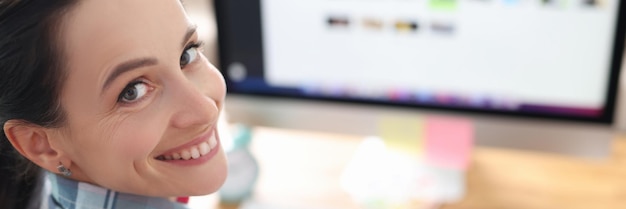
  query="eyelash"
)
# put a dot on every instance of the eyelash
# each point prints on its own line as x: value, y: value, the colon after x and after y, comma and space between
x: 196, y: 45
x: 131, y: 85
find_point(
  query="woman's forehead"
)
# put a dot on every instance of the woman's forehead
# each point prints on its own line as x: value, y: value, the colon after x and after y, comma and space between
x: 104, y: 29
x: 100, y: 34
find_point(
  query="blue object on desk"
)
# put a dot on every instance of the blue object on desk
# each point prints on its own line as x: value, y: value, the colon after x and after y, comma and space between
x: 243, y: 169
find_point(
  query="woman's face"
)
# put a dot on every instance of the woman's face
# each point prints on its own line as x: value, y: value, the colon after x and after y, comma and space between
x: 142, y: 102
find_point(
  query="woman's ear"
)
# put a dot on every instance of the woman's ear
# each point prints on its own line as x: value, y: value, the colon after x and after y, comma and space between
x: 32, y: 141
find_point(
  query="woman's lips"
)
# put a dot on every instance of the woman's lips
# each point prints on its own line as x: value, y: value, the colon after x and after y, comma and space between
x: 193, y: 150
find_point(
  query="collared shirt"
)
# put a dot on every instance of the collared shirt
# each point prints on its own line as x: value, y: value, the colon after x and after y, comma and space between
x: 69, y: 194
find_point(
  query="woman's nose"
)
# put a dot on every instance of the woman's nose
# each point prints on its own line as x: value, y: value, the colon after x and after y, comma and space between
x: 192, y: 107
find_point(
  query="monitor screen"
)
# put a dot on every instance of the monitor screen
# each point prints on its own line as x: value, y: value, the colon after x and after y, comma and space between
x: 556, y: 59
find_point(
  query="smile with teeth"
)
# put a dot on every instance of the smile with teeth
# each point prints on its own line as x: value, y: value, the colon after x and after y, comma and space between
x: 193, y: 152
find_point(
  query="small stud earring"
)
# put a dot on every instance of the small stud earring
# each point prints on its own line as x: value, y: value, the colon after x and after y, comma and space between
x: 63, y: 170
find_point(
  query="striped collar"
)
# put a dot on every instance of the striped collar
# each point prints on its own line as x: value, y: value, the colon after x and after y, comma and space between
x: 69, y: 194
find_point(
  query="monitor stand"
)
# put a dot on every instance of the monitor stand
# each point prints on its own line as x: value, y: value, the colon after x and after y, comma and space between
x: 559, y: 137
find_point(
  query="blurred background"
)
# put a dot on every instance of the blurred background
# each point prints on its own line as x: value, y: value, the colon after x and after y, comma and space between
x: 419, y: 103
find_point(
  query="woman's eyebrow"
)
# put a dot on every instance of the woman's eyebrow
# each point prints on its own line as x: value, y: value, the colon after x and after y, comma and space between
x: 128, y: 66
x: 190, y: 31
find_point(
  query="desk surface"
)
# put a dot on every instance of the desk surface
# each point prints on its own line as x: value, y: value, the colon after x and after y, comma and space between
x: 302, y: 170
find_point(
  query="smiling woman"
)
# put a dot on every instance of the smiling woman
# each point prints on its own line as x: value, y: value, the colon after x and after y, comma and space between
x: 111, y: 99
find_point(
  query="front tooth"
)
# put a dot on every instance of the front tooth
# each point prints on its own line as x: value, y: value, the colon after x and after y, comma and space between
x: 176, y: 156
x: 212, y: 142
x: 204, y: 148
x: 195, y: 153
x: 185, y: 154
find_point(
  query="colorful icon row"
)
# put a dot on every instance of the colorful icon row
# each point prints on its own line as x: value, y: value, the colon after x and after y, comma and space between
x: 377, y: 24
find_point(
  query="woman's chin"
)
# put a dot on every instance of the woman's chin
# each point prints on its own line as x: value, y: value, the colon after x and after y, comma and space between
x: 210, y: 181
x: 206, y: 190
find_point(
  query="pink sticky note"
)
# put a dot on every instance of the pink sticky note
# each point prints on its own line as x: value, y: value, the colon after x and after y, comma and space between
x: 449, y: 141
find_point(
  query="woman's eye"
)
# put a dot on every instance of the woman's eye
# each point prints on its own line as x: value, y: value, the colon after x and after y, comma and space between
x: 133, y: 92
x: 189, y: 55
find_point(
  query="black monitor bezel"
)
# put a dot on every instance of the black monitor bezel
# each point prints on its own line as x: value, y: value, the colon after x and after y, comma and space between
x: 246, y: 46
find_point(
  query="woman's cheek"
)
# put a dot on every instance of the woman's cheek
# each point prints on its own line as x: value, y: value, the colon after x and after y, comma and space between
x: 137, y: 141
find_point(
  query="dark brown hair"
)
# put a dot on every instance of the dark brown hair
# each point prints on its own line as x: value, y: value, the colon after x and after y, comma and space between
x: 31, y: 74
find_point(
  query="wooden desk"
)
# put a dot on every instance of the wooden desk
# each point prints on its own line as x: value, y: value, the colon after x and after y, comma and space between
x: 302, y: 170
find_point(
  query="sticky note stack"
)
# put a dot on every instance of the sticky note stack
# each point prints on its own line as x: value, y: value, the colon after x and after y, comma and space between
x: 443, y: 146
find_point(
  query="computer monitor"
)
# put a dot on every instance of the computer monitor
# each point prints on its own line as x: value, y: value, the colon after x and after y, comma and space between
x: 531, y: 74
